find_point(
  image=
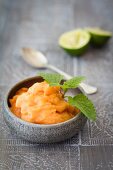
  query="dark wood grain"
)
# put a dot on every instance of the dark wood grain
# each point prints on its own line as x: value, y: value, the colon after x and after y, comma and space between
x: 38, y: 24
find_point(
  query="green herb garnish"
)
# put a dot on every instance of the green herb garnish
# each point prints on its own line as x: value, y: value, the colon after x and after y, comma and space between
x: 80, y: 101
x: 52, y: 79
x: 84, y: 104
x: 72, y: 83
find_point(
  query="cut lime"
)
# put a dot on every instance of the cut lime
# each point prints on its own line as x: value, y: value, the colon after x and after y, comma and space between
x: 98, y: 36
x: 75, y: 42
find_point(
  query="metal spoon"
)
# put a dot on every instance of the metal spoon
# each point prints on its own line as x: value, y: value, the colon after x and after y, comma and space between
x: 38, y: 60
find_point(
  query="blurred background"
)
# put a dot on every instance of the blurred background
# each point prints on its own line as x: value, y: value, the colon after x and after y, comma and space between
x: 39, y: 23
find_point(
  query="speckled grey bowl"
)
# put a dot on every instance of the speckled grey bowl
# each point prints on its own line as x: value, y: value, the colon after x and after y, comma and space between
x: 36, y: 132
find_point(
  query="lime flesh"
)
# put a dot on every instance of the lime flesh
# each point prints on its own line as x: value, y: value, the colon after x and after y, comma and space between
x: 75, y: 42
x: 98, y: 36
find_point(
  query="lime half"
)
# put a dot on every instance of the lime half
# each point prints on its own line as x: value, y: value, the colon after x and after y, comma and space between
x: 98, y: 36
x: 75, y: 42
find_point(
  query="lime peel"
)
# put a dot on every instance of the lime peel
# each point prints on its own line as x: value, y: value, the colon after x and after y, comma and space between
x: 99, y: 36
x: 75, y: 42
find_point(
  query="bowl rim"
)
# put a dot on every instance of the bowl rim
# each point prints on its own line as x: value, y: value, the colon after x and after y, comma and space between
x: 5, y: 105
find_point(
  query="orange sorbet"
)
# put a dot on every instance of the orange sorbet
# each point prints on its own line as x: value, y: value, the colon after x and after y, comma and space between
x: 42, y: 104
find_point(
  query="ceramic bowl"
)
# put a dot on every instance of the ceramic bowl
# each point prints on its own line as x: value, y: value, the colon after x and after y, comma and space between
x: 36, y: 132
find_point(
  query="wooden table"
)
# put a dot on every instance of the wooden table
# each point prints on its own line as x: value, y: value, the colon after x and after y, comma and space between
x: 38, y: 24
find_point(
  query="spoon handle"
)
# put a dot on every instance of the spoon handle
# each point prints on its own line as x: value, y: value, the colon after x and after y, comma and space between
x: 83, y: 86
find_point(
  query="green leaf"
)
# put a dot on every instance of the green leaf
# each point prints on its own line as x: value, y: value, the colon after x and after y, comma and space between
x: 84, y: 104
x: 52, y: 79
x: 73, y: 83
x: 54, y: 84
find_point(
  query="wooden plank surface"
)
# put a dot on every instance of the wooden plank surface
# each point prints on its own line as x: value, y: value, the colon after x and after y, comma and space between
x: 38, y: 24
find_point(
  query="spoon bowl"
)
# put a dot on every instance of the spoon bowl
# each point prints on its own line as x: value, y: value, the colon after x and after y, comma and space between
x: 34, y: 58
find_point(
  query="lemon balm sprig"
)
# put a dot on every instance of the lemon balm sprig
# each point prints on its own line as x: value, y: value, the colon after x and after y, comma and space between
x: 72, y: 83
x: 84, y: 104
x: 80, y: 101
x: 55, y: 79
